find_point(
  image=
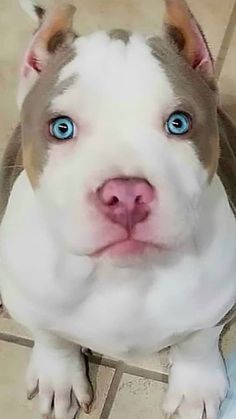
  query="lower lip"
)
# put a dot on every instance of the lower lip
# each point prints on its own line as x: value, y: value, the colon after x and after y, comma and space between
x: 125, y: 248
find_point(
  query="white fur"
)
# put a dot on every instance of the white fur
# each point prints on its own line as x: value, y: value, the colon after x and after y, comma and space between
x: 61, y: 371
x: 119, y: 101
x: 197, y: 377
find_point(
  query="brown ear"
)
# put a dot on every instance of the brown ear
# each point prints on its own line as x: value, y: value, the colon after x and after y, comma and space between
x: 185, y: 32
x: 55, y: 28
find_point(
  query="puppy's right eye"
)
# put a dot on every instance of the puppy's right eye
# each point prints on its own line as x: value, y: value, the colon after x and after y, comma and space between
x: 62, y: 128
x: 178, y: 123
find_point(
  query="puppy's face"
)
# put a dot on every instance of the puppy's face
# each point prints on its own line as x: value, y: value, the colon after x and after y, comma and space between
x: 120, y: 139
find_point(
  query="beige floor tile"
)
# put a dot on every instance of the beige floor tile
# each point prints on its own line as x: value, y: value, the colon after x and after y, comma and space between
x: 227, y: 81
x: 157, y: 362
x: 13, y: 403
x: 3, y: 312
x: 138, y: 398
x: 10, y: 327
x: 229, y: 339
x: 101, y: 378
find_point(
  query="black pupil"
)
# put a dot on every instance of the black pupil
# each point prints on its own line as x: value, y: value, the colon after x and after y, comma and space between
x: 177, y: 123
x: 63, y: 128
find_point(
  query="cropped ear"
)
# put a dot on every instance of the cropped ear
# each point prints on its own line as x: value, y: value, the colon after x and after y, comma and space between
x: 182, y: 29
x: 54, y: 29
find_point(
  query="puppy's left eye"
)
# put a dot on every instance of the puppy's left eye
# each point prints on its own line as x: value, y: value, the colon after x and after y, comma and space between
x: 62, y: 128
x: 178, y: 123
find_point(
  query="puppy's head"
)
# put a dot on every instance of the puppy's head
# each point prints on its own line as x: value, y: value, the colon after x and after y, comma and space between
x: 120, y: 133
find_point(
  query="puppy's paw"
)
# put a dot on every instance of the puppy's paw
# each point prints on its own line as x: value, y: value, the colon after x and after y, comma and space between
x: 196, y: 389
x: 61, y: 382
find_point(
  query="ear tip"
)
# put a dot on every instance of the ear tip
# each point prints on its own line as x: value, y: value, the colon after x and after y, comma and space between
x: 32, y: 8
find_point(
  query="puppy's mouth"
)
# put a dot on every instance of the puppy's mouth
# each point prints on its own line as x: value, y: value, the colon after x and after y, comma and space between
x: 128, y: 247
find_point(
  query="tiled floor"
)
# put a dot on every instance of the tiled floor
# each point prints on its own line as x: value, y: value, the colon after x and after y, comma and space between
x: 123, y: 390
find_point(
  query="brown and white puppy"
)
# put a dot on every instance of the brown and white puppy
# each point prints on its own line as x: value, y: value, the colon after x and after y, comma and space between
x: 117, y: 233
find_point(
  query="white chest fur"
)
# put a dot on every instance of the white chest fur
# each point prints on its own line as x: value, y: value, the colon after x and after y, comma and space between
x: 115, y: 309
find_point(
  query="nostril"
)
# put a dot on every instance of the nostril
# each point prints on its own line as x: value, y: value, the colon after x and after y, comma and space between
x: 139, y: 199
x: 113, y: 201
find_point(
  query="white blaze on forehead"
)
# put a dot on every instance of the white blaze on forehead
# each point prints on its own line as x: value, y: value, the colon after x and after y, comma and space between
x: 116, y: 78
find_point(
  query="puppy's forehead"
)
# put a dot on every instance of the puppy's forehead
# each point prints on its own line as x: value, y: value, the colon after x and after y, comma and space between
x: 136, y: 69
x: 118, y: 67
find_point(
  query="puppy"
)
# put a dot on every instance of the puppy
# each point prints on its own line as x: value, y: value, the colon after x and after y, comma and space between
x: 117, y: 196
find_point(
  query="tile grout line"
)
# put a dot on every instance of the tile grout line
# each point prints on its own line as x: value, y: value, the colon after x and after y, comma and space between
x: 104, y: 361
x: 132, y: 370
x: 225, y: 44
x: 16, y: 340
x: 112, y: 392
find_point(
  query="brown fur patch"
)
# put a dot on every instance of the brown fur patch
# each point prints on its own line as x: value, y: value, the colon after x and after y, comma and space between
x: 213, y: 163
x: 31, y: 132
x: 197, y: 99
x: 40, y: 12
x: 56, y: 41
x: 36, y: 115
x: 227, y: 162
x: 120, y: 34
x: 176, y: 36
x: 11, y: 167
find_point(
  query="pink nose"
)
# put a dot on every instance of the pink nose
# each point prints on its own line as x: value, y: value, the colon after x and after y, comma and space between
x: 126, y: 201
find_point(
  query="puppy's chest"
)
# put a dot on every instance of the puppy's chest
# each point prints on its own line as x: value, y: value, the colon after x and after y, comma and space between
x: 134, y: 311
x: 115, y: 311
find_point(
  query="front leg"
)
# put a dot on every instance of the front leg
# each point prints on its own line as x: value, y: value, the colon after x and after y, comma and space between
x: 57, y: 371
x: 197, y: 381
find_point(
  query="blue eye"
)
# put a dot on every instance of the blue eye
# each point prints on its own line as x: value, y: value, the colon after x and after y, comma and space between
x: 62, y: 128
x: 178, y: 123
